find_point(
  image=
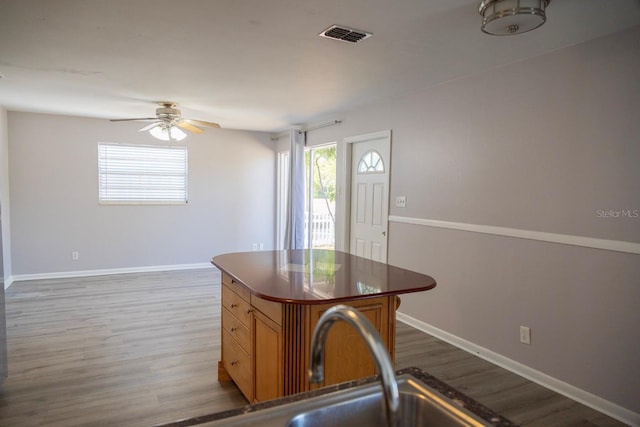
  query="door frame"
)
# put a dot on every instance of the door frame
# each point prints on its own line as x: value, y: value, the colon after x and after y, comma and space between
x: 343, y: 183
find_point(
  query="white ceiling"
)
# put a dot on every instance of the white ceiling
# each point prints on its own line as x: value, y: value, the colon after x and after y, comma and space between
x: 259, y: 64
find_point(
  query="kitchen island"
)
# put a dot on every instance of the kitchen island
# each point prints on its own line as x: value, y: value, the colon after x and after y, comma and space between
x: 272, y: 300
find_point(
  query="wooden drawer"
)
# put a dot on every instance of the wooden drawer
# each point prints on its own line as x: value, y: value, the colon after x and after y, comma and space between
x: 238, y: 364
x: 237, y: 330
x: 237, y: 306
x: 236, y: 287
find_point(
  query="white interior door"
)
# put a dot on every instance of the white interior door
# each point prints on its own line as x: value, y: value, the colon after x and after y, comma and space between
x: 370, y: 161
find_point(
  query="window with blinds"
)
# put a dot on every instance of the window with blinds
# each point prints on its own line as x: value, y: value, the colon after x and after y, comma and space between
x: 138, y: 174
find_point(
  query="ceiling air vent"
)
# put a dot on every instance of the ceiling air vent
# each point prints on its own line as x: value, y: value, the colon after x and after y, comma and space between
x: 345, y: 34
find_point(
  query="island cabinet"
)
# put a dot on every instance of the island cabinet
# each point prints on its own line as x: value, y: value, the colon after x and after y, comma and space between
x: 266, y: 332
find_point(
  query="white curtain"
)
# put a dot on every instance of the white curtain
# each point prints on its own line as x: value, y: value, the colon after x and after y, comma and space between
x: 294, y: 234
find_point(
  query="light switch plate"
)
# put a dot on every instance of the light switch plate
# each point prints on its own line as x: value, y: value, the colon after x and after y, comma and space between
x: 401, y: 202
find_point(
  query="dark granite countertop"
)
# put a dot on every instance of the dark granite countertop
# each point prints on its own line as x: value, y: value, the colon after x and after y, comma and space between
x: 448, y: 391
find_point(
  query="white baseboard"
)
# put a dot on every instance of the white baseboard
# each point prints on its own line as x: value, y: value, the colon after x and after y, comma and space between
x: 103, y: 272
x: 599, y: 404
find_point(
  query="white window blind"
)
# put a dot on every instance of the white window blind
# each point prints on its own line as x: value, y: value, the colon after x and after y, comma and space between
x: 142, y: 174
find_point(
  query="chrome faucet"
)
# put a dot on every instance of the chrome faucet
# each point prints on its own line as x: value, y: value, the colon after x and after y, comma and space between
x: 376, y: 347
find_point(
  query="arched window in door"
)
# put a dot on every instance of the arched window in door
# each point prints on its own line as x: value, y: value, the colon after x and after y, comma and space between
x: 371, y: 162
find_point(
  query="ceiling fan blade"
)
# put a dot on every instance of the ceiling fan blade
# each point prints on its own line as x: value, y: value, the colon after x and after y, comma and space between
x: 188, y: 126
x: 201, y: 123
x: 149, y: 127
x: 134, y: 120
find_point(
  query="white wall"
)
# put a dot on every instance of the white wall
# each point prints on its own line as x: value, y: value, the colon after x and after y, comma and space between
x: 542, y: 145
x: 4, y: 198
x: 55, y: 210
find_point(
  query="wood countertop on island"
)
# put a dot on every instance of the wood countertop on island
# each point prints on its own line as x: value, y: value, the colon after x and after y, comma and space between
x: 318, y: 276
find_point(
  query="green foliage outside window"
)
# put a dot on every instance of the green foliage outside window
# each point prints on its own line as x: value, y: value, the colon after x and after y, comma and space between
x: 324, y: 173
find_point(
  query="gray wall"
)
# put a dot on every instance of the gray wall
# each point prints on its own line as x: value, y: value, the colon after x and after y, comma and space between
x: 55, y: 210
x: 4, y: 196
x: 542, y: 145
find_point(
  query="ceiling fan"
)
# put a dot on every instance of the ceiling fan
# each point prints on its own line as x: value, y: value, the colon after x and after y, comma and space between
x: 168, y: 123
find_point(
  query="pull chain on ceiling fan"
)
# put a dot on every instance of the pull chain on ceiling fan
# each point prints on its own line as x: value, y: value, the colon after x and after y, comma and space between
x: 168, y: 123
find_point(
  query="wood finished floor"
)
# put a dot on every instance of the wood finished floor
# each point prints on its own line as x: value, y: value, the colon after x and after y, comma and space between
x: 142, y: 349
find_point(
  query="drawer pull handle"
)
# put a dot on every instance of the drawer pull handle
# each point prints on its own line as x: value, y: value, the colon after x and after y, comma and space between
x: 234, y: 329
x: 233, y: 281
x: 249, y: 311
x: 234, y: 363
x: 234, y: 305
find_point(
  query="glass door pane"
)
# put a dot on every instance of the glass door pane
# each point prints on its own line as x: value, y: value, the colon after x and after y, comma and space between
x: 320, y: 197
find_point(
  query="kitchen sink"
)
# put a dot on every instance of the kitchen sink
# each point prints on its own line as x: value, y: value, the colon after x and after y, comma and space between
x: 362, y: 406
x: 419, y: 406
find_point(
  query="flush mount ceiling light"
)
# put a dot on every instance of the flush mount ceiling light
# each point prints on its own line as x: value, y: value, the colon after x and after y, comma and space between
x: 508, y: 17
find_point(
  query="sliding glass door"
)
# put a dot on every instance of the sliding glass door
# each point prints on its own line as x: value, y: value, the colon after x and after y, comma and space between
x: 320, y: 201
x: 320, y: 196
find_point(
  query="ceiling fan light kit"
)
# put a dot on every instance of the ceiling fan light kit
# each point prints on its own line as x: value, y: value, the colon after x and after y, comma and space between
x: 168, y: 124
x: 510, y: 17
x: 170, y: 133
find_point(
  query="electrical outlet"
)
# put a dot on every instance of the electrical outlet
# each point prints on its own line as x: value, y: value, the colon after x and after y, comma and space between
x: 254, y: 246
x: 75, y: 255
x: 525, y: 335
x: 261, y: 246
x: 401, y: 202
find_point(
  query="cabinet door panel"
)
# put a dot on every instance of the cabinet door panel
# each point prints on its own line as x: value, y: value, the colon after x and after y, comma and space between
x: 268, y: 358
x: 347, y: 357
